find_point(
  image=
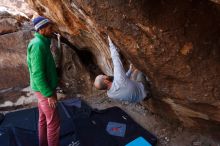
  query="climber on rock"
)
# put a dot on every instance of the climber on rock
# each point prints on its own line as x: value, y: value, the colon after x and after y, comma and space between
x: 131, y: 86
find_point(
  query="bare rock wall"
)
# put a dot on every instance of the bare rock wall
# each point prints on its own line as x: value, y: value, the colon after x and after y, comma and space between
x: 175, y: 43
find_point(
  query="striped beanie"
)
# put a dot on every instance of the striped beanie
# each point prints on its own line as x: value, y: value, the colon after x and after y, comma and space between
x: 40, y: 22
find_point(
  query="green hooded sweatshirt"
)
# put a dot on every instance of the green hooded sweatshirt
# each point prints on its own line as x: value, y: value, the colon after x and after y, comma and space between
x: 41, y: 65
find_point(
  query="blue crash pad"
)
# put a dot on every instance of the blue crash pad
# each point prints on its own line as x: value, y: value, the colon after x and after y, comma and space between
x: 140, y: 141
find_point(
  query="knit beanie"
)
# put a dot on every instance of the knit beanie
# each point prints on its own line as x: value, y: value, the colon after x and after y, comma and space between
x: 40, y: 22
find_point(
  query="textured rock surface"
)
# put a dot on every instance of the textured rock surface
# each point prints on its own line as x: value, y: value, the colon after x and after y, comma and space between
x: 16, y: 7
x: 74, y: 74
x: 216, y: 1
x: 176, y: 43
x: 8, y: 25
x: 13, y: 44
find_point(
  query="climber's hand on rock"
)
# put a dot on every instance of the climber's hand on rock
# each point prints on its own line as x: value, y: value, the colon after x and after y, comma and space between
x: 112, y: 46
x: 109, y: 41
x: 131, y: 67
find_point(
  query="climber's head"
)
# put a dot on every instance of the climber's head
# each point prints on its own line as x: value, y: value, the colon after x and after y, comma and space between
x: 103, y: 82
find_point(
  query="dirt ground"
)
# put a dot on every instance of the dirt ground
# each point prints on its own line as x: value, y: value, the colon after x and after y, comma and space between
x: 168, y: 134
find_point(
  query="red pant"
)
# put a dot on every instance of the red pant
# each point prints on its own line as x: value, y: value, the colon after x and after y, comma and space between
x: 49, y: 123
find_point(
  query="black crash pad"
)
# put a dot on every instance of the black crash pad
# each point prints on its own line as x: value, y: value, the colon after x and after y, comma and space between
x: 80, y: 126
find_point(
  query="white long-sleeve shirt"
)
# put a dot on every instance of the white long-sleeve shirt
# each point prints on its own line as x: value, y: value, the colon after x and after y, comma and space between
x: 122, y: 87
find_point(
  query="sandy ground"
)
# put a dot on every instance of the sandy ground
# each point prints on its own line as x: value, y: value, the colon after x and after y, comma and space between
x: 168, y: 134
